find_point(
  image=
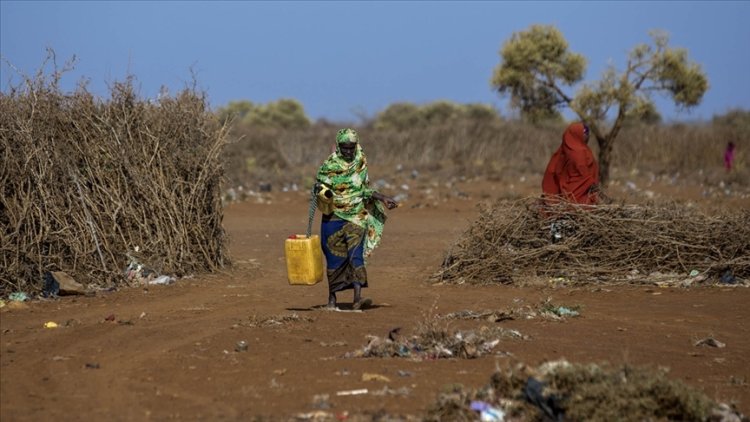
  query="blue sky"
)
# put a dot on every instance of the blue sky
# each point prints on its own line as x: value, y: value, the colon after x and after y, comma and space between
x: 342, y: 59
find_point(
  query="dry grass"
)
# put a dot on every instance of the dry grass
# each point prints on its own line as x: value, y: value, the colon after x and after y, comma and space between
x: 285, y: 156
x: 495, y: 149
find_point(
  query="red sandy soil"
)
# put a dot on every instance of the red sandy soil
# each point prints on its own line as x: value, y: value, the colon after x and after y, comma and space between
x: 169, y: 352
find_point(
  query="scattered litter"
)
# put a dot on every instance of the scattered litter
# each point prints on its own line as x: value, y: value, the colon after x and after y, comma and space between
x: 516, y: 334
x: 434, y: 342
x: 317, y: 415
x: 405, y: 373
x: 550, y: 406
x: 333, y: 344
x: 487, y: 412
x: 92, y: 366
x: 352, y: 392
x: 563, y: 311
x: 162, y: 280
x: 265, y: 187
x: 275, y: 320
x: 375, y: 377
x: 321, y: 401
x: 725, y: 413
x: 18, y: 297
x: 694, y: 273
x: 60, y: 283
x: 50, y: 324
x: 549, y: 308
x: 387, y: 391
x: 544, y: 309
x: 51, y: 287
x: 110, y: 317
x: 2, y: 303
x: 241, y: 346
x: 491, y: 316
x: 710, y: 341
x: 394, y: 333
x: 136, y: 272
x: 728, y: 277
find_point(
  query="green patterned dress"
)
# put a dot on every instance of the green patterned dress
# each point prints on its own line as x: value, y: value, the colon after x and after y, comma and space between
x: 354, y: 228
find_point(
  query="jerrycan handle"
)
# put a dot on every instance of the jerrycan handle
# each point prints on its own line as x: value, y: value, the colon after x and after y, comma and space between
x: 313, y: 205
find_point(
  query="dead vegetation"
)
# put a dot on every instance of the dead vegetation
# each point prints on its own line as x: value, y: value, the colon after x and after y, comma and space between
x: 563, y: 391
x: 86, y: 181
x: 608, y: 243
x: 255, y: 155
x: 499, y: 149
x: 546, y: 310
x: 275, y: 320
x: 435, y: 339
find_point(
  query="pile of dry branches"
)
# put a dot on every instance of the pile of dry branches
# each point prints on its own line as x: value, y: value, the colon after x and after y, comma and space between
x: 86, y: 181
x: 559, y: 390
x: 609, y: 243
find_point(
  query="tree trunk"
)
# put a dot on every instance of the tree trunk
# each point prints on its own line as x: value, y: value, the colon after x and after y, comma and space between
x: 605, y: 158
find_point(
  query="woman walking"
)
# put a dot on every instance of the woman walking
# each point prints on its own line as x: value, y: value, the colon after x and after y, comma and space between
x: 355, y: 224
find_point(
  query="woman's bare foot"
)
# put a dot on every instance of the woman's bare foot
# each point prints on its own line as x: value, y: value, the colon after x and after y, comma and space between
x: 331, y: 301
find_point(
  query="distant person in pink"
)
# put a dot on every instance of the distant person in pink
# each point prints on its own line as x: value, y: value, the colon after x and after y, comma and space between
x: 729, y: 156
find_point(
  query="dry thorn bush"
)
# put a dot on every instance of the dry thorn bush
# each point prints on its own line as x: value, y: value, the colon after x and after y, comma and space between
x: 85, y: 181
x: 512, y: 239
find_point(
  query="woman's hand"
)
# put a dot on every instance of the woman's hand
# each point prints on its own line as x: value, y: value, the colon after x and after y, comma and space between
x: 389, y: 202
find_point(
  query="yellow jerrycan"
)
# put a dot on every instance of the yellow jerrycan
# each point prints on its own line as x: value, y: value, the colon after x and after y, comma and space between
x: 304, y: 260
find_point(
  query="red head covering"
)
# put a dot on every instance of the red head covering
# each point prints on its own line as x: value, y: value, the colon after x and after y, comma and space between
x: 572, y: 169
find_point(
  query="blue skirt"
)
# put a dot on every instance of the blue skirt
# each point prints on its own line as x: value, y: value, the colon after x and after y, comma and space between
x: 344, y: 246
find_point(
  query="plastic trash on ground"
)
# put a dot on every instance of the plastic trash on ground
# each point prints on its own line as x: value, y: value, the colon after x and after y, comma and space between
x: 18, y: 297
x: 563, y: 311
x: 164, y: 279
x: 487, y: 412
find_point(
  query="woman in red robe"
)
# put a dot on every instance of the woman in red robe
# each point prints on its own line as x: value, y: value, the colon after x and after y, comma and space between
x: 572, y: 173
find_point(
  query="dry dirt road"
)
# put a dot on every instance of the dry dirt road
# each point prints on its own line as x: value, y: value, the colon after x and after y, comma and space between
x: 169, y: 352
